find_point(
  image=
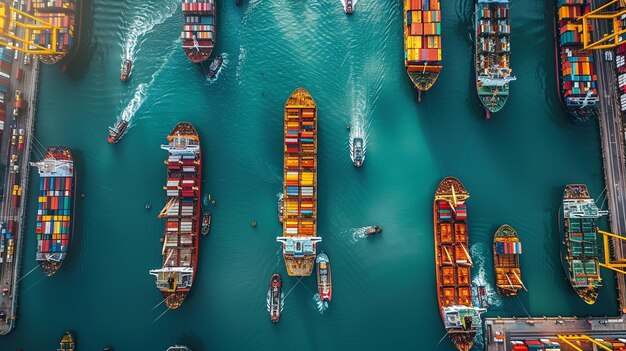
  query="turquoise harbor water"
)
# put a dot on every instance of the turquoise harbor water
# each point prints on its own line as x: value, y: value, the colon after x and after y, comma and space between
x: 515, y: 167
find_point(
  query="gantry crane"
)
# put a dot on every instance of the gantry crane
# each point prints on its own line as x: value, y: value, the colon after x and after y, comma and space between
x: 12, y: 19
x: 570, y: 339
x: 617, y: 266
x: 611, y: 11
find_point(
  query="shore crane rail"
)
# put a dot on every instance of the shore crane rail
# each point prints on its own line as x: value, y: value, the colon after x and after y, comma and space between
x: 569, y: 340
x: 608, y: 41
x: 11, y: 17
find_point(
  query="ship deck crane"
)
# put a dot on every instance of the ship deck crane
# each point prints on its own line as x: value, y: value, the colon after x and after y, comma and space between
x: 570, y: 339
x: 608, y: 41
x: 11, y: 19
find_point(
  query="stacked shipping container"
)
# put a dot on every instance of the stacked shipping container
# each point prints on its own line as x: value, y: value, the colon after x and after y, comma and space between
x: 577, y: 78
x: 60, y: 13
x: 54, y: 214
x: 422, y: 42
x: 620, y: 61
x: 198, y: 33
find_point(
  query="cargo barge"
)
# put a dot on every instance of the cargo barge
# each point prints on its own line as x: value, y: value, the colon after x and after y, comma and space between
x: 492, y: 53
x: 422, y: 42
x: 579, y: 248
x: 299, y: 237
x: 453, y: 264
x: 182, y: 214
x: 506, y: 251
x: 65, y: 14
x: 575, y: 68
x: 55, y: 207
x: 198, y: 33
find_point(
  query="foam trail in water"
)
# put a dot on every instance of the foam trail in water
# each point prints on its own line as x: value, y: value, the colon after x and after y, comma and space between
x: 224, y: 65
x: 144, y: 22
x: 481, y: 279
x: 356, y: 233
x: 242, y: 58
x: 320, y: 306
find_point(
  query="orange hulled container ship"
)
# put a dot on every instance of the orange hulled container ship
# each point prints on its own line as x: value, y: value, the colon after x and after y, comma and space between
x: 422, y: 42
x: 453, y: 264
x: 182, y: 213
x: 299, y: 237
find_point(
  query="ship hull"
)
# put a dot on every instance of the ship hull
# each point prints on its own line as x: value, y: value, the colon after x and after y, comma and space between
x: 205, y: 49
x: 506, y: 265
x: 68, y: 56
x: 56, y: 211
x: 447, y: 239
x: 422, y: 42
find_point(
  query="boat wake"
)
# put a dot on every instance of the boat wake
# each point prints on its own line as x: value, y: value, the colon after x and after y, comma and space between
x: 242, y: 59
x: 222, y: 67
x: 343, y: 3
x: 356, y: 233
x: 320, y: 306
x: 490, y: 297
x: 144, y: 22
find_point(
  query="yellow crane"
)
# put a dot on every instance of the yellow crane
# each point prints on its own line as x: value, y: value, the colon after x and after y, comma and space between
x: 570, y: 339
x: 608, y: 13
x: 617, y: 266
x: 12, y: 19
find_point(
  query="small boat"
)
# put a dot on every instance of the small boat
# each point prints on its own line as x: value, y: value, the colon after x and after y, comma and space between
x: 281, y: 208
x: 115, y: 133
x: 506, y: 251
x: 275, y: 295
x: 67, y: 342
x: 215, y: 67
x: 206, y: 223
x: 373, y: 230
x: 178, y: 348
x: 358, y: 154
x: 324, y: 277
x: 349, y: 7
x: 127, y: 68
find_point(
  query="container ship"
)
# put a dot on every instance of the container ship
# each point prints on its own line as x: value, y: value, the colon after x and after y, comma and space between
x: 199, y: 29
x: 55, y: 207
x: 66, y: 15
x: 299, y: 237
x: 492, y: 53
x: 422, y: 42
x: 579, y: 249
x: 453, y: 264
x: 182, y: 214
x: 506, y: 251
x: 324, y: 277
x: 575, y: 68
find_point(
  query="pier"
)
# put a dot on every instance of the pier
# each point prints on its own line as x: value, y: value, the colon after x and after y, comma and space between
x: 10, y: 271
x: 612, y: 139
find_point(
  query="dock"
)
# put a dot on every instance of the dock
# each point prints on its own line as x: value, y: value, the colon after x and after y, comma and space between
x: 10, y: 271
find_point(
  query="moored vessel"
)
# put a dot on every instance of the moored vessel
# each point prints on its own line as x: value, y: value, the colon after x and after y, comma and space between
x: 492, y: 53
x: 275, y: 297
x: 422, y: 42
x: 358, y: 152
x: 579, y: 248
x: 373, y: 230
x: 66, y: 15
x: 182, y: 215
x: 215, y: 66
x: 506, y: 250
x: 575, y: 67
x: 127, y: 68
x: 116, y: 132
x: 324, y: 277
x: 299, y: 237
x: 453, y: 264
x: 67, y: 342
x: 206, y: 223
x: 55, y: 211
x: 199, y: 29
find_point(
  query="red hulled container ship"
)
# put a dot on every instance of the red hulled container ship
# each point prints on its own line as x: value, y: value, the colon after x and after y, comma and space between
x: 199, y: 29
x: 182, y: 214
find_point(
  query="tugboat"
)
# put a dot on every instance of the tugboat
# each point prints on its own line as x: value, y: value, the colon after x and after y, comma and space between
x: 67, y: 342
x: 275, y: 292
x: 115, y: 133
x: 506, y: 251
x: 348, y: 7
x: 281, y: 208
x: 215, y: 67
x: 206, y: 223
x: 324, y: 277
x: 358, y: 154
x: 127, y: 68
x: 373, y: 230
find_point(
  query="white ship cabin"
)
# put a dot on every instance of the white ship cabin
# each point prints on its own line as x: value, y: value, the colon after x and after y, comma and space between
x: 299, y: 246
x: 462, y: 317
x: 582, y: 208
x: 54, y: 168
x: 49, y: 256
x: 172, y: 278
x: 182, y: 146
